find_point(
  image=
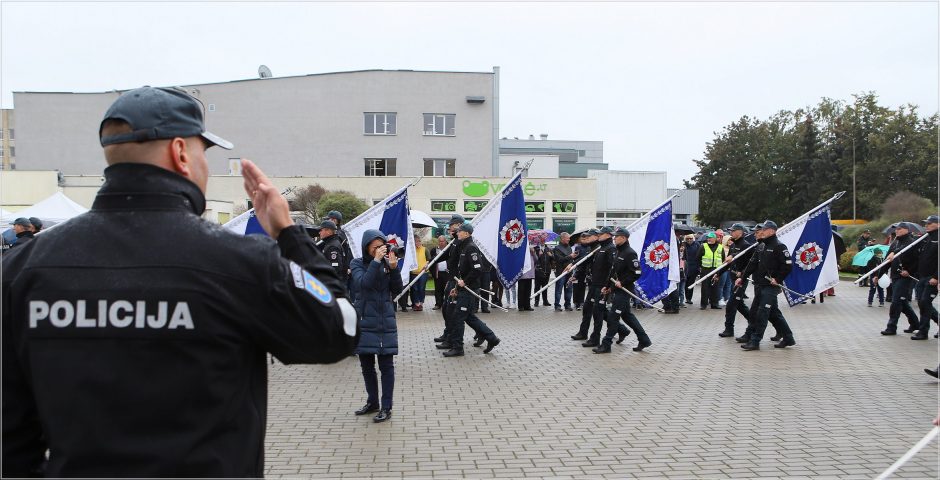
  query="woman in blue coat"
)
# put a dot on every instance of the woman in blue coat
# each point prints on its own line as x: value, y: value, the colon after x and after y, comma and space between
x: 375, y: 278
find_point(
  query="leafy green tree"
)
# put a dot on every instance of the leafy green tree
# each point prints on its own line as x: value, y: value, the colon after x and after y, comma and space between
x: 342, y: 201
x: 780, y: 167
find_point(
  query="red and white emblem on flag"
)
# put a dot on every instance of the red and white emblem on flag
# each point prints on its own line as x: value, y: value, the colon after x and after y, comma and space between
x: 809, y: 256
x: 512, y: 234
x: 656, y: 255
x: 394, y: 240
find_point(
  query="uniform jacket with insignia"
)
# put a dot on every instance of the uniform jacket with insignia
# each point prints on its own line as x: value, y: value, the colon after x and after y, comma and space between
x: 128, y: 355
x: 905, y: 261
x: 453, y: 259
x: 332, y: 248
x: 735, y: 247
x: 470, y: 264
x: 771, y: 259
x: 347, y: 252
x: 603, y: 260
x: 583, y: 272
x: 626, y: 267
x: 927, y: 263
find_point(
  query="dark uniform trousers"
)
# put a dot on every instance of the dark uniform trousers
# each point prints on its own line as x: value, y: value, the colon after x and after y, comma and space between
x: 765, y: 297
x: 736, y: 305
x: 620, y: 309
x: 464, y: 311
x: 447, y: 309
x: 579, y: 289
x: 709, y: 289
x: 485, y: 280
x: 594, y: 307
x: 926, y: 293
x: 901, y: 289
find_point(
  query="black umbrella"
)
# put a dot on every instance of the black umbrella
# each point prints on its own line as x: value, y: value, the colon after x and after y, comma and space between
x: 915, y: 228
x: 840, y: 243
x: 682, y: 229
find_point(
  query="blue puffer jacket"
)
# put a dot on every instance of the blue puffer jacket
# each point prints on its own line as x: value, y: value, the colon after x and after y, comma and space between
x: 375, y: 285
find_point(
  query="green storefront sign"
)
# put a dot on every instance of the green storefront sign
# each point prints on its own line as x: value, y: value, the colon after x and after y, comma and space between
x: 563, y: 225
x: 564, y: 207
x: 443, y: 205
x: 474, y: 205
x: 485, y: 188
x: 534, y: 207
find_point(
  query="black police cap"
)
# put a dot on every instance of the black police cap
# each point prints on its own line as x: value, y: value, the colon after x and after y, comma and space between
x: 158, y: 113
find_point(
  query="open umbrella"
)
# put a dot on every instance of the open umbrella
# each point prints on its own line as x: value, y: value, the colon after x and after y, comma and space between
x: 542, y: 236
x: 682, y: 229
x: 421, y: 219
x: 840, y: 243
x: 917, y: 229
x: 861, y: 258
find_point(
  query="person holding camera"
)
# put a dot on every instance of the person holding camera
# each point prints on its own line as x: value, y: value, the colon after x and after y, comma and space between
x: 376, y: 279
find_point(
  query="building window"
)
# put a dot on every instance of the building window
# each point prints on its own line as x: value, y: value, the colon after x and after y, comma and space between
x: 380, y: 167
x: 379, y: 123
x: 439, y: 167
x: 12, y: 152
x: 11, y: 134
x: 581, y: 153
x: 439, y: 124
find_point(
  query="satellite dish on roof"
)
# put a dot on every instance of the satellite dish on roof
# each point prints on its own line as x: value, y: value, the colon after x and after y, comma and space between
x: 264, y: 72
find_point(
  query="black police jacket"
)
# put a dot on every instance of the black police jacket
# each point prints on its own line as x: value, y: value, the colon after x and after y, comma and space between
x: 23, y: 238
x: 735, y: 247
x: 927, y: 265
x: 626, y: 267
x: 905, y: 261
x: 453, y: 259
x: 470, y: 264
x: 332, y: 248
x: 134, y: 336
x: 347, y: 252
x: 582, y: 270
x: 772, y: 259
x: 603, y: 260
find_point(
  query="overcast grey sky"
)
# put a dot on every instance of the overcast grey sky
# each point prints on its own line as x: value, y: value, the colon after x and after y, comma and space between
x: 652, y: 81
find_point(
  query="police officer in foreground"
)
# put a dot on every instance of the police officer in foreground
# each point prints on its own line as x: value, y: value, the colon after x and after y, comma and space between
x: 332, y: 248
x: 737, y: 263
x: 902, y: 268
x: 624, y: 272
x: 467, y: 276
x: 770, y: 265
x: 128, y: 356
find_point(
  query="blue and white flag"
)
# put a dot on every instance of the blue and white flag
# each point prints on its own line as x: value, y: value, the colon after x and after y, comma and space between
x: 500, y: 232
x: 393, y: 218
x: 815, y: 264
x: 655, y: 243
x: 245, y: 224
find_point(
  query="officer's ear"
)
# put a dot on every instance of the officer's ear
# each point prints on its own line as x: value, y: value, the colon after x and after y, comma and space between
x: 180, y: 161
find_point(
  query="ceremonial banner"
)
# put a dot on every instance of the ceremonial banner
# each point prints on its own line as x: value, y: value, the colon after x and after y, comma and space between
x: 499, y: 231
x: 655, y: 243
x: 815, y: 263
x: 245, y: 224
x: 393, y: 218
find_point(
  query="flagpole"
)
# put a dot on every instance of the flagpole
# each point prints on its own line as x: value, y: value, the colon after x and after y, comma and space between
x: 628, y: 292
x: 425, y: 268
x: 863, y: 277
x: 568, y: 269
x: 817, y: 207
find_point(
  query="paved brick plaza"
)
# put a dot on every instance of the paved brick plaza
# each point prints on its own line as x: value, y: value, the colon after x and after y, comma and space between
x: 845, y: 402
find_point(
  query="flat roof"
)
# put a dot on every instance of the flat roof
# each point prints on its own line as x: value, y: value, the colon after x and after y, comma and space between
x: 270, y: 78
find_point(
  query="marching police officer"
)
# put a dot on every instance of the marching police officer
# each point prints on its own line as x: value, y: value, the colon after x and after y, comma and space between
x: 772, y: 265
x: 332, y: 248
x: 453, y: 258
x: 467, y: 276
x: 595, y: 305
x: 928, y: 272
x: 737, y: 263
x: 147, y: 358
x: 902, y: 285
x: 624, y: 272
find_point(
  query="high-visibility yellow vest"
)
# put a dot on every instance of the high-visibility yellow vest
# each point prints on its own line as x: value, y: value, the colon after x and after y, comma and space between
x: 711, y: 257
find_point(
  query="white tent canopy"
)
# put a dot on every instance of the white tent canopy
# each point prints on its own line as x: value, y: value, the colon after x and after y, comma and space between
x: 55, y: 209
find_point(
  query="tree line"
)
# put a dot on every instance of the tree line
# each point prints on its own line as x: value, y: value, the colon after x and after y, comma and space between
x: 782, y: 166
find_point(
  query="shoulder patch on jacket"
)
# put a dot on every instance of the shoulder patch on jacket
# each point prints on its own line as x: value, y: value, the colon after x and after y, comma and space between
x: 316, y: 288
